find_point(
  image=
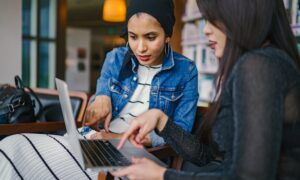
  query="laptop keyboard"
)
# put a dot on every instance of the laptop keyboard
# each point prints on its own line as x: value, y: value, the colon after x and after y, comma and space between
x: 103, y: 153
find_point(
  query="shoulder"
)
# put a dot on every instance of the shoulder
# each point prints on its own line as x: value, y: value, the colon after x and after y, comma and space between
x: 264, y: 64
x: 181, y: 58
x: 262, y: 59
x: 119, y: 52
x: 116, y: 55
x: 269, y: 55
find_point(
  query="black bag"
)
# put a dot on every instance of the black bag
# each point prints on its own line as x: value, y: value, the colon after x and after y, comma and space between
x: 16, y: 105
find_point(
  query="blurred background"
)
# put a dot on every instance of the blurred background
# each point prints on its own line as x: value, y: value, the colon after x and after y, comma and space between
x: 68, y: 39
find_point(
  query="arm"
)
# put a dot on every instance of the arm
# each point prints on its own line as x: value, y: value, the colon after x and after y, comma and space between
x: 257, y: 114
x: 186, y: 144
x: 137, y: 132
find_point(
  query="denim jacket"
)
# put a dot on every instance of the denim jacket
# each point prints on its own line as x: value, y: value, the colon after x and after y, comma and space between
x: 174, y: 89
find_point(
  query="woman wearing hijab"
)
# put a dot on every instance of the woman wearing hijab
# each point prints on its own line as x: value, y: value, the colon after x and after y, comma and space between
x: 145, y: 74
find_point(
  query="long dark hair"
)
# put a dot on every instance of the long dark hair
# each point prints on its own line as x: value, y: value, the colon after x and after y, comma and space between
x: 248, y: 24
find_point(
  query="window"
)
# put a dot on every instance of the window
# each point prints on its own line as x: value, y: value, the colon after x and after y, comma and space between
x: 39, y: 44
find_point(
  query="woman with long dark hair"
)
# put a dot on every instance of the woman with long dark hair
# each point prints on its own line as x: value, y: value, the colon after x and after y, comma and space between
x: 252, y: 129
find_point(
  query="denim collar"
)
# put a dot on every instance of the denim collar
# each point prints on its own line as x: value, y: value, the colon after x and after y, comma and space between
x: 168, y: 61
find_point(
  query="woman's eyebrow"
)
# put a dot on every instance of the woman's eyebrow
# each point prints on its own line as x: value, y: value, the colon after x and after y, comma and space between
x: 150, y: 33
x: 146, y: 34
x: 129, y: 32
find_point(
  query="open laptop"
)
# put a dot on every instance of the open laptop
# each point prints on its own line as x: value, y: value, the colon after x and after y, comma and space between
x: 96, y: 155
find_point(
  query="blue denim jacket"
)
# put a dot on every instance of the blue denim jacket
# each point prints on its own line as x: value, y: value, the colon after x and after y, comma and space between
x: 174, y: 89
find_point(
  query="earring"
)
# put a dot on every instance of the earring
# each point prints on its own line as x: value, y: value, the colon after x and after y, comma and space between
x: 127, y: 45
x: 167, y: 47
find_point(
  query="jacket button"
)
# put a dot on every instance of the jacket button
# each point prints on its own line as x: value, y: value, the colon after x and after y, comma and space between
x: 134, y: 78
x: 125, y: 96
x: 112, y: 87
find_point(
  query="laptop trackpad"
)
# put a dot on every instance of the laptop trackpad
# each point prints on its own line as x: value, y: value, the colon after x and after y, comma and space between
x: 130, y: 151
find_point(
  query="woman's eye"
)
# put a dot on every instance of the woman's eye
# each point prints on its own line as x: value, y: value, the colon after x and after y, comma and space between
x: 151, y: 38
x: 132, y: 37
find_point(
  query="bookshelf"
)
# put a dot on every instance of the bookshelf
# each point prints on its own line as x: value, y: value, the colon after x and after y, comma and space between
x: 195, y: 46
x: 293, y: 11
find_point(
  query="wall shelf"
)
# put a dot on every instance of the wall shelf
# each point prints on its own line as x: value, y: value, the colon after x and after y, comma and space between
x: 192, y: 17
x: 194, y: 41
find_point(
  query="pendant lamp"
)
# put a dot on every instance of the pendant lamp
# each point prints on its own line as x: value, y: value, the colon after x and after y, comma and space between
x: 114, y: 10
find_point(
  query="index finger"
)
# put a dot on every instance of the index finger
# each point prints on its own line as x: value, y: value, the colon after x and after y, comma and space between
x: 107, y: 122
x: 126, y: 135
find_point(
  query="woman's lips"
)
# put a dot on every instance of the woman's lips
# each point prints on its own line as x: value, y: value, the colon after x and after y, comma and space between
x: 144, y: 58
x: 212, y: 44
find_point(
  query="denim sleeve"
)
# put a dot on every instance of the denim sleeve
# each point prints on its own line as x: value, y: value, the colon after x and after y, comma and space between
x: 185, y: 112
x: 257, y: 90
x: 156, y: 139
x: 102, y: 87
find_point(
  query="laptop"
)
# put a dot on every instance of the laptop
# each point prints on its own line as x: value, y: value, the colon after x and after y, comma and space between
x: 96, y: 155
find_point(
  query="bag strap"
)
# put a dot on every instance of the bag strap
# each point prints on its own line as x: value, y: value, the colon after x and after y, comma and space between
x: 37, y: 100
x: 19, y: 84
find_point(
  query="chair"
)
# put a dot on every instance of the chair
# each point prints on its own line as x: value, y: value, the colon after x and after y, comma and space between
x: 52, y: 118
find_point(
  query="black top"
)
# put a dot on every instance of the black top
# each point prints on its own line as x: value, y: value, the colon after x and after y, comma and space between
x: 258, y: 127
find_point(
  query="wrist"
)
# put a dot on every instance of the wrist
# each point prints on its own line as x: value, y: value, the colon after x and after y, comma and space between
x: 162, y: 121
x: 161, y: 173
x: 102, y: 97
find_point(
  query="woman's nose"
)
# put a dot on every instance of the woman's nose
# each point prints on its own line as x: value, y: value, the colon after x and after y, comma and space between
x: 206, y: 29
x: 142, y: 46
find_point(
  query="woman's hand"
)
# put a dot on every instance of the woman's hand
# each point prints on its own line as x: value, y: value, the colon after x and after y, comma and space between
x: 141, y: 168
x: 147, y: 141
x: 99, y: 110
x: 143, y: 125
x: 105, y: 135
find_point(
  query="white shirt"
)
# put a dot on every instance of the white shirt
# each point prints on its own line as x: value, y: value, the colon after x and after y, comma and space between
x: 139, y: 101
